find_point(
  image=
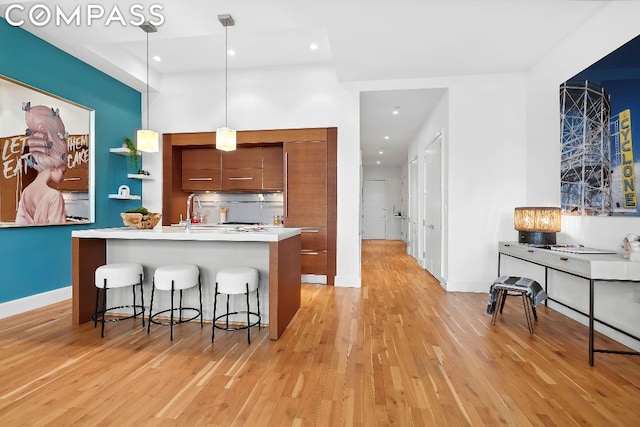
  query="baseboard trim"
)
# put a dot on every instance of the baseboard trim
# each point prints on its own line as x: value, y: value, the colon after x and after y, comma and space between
x: 348, y: 282
x: 32, y: 302
x: 316, y: 279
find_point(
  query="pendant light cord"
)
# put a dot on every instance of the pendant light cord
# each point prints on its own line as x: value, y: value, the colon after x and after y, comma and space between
x: 147, y: 80
x: 226, y: 76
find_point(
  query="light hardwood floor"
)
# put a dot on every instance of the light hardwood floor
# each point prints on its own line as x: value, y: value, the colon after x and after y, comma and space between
x: 399, y: 351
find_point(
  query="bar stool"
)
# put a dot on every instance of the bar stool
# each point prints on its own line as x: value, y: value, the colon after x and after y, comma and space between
x: 177, y: 277
x: 236, y: 281
x: 112, y: 276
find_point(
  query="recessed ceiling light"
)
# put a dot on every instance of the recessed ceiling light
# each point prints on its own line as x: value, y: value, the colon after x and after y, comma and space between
x: 157, y: 58
x: 231, y: 52
x: 396, y: 111
x: 386, y: 137
x: 378, y: 162
x: 313, y: 46
x: 380, y: 152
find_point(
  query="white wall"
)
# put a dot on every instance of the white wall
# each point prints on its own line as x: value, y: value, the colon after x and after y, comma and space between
x: 270, y: 99
x: 392, y: 175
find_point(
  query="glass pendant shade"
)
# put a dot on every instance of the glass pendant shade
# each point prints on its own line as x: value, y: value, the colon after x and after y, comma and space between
x: 225, y: 136
x: 147, y: 141
x: 226, y: 139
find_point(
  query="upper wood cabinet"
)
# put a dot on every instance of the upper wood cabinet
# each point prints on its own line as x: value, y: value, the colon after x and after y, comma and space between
x: 251, y: 169
x: 305, y: 165
x: 201, y: 169
x: 272, y: 168
x: 242, y: 169
x: 242, y: 158
x: 242, y: 179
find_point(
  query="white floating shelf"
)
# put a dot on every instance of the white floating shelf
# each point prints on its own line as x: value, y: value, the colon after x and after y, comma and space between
x: 140, y: 176
x: 123, y: 151
x: 121, y: 197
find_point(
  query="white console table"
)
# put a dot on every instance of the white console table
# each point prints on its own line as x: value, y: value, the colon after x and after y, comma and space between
x: 592, y: 267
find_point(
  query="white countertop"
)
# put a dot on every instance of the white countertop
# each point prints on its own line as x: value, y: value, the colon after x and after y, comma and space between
x: 221, y: 234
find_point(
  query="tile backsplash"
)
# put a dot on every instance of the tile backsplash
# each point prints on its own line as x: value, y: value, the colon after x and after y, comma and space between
x: 241, y: 207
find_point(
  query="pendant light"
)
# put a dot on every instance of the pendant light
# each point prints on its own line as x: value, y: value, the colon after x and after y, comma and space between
x: 147, y: 140
x: 225, y: 136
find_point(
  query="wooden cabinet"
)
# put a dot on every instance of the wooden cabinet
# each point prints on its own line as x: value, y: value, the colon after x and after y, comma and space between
x: 251, y: 169
x: 241, y: 179
x: 305, y: 184
x: 310, y: 183
x: 242, y: 169
x: 314, y: 250
x: 272, y: 168
x: 300, y: 162
x: 201, y: 169
x: 243, y: 158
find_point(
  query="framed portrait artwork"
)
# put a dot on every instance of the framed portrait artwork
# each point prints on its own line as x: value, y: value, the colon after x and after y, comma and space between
x: 47, y: 145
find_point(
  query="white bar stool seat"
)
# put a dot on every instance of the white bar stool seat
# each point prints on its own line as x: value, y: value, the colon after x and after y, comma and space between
x: 176, y: 277
x: 112, y: 276
x: 237, y: 281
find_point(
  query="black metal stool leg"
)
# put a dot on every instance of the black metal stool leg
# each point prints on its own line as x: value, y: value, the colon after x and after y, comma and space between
x: 153, y: 291
x: 200, y: 293
x: 248, y: 317
x: 135, y: 313
x: 227, y: 318
x: 258, y: 301
x: 171, y: 317
x: 95, y: 313
x: 215, y: 304
x: 142, y: 298
x: 104, y: 307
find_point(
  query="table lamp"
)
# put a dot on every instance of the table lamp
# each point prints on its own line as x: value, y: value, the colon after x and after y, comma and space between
x: 537, y: 225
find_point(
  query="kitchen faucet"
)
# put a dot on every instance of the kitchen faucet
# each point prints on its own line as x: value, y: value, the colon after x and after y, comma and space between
x: 187, y: 224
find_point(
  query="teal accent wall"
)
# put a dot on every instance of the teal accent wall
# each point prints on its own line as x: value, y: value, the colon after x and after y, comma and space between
x: 38, y: 259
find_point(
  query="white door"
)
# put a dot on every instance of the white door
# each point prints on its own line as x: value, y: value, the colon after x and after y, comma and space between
x: 433, y: 207
x: 412, y: 220
x: 374, y: 209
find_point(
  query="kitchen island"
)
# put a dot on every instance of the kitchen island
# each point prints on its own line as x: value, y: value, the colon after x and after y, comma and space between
x: 274, y: 252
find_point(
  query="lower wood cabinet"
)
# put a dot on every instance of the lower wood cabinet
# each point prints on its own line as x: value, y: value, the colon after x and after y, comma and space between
x: 313, y: 261
x: 313, y: 238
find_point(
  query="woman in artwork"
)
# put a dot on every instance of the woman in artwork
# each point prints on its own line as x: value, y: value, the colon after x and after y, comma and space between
x: 41, y: 204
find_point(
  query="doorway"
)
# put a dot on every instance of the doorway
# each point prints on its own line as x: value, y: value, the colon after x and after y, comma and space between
x: 433, y: 196
x: 374, y: 209
x: 412, y: 220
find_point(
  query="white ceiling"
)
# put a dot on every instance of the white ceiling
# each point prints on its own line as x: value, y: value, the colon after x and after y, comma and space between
x: 361, y: 39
